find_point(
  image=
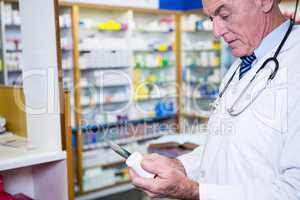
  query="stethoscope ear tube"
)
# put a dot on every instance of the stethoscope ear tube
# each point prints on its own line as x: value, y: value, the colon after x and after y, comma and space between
x: 268, y: 61
x: 273, y: 74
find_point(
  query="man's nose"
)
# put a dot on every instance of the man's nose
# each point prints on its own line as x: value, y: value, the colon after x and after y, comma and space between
x: 218, y: 29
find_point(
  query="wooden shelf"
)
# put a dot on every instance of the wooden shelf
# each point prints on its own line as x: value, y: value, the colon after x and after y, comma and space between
x: 12, y: 158
x: 192, y: 115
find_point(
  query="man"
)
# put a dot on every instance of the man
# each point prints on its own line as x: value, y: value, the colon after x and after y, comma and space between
x: 252, y: 155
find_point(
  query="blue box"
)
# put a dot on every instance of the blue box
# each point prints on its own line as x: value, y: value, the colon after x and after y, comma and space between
x: 181, y: 5
x: 193, y: 4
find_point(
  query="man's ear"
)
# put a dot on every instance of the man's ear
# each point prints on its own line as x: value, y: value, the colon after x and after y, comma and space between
x: 266, y: 5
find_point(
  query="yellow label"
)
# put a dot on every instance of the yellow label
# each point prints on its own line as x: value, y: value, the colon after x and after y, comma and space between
x: 163, y: 47
x: 216, y: 45
x: 110, y: 25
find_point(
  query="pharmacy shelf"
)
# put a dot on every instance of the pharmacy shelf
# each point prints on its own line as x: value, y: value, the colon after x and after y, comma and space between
x: 113, y: 189
x: 192, y: 82
x: 203, y: 116
x: 95, y: 30
x: 162, y: 82
x: 114, y: 43
x: 199, y: 50
x: 112, y: 31
x: 104, y: 85
x: 151, y: 51
x: 104, y: 187
x: 12, y: 43
x: 120, y: 101
x: 65, y: 27
x: 154, y: 31
x: 154, y: 98
x: 66, y: 49
x: 103, y: 68
x: 202, y: 67
x: 106, y: 165
x: 198, y: 31
x: 14, y: 71
x: 129, y: 122
x: 154, y: 67
x: 12, y: 158
x: 12, y: 25
x: 126, y: 140
x: 87, y: 50
x: 199, y: 97
x: 14, y: 50
x: 67, y: 68
x: 201, y: 62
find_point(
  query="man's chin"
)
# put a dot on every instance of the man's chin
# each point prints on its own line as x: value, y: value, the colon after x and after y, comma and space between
x: 237, y: 52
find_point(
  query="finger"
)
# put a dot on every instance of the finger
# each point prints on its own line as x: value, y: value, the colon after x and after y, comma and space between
x: 156, y: 165
x: 153, y: 156
x: 149, y: 194
x: 143, y: 183
x: 151, y: 166
x: 152, y: 195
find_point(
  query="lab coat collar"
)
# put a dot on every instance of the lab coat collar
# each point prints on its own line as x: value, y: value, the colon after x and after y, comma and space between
x: 268, y: 42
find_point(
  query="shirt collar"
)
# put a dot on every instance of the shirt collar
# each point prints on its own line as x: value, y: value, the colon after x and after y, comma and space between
x: 268, y: 42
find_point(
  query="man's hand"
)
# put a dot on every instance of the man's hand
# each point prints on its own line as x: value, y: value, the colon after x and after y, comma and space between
x: 170, y: 181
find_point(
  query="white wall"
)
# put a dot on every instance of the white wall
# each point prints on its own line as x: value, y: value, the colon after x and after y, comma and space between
x: 40, y: 73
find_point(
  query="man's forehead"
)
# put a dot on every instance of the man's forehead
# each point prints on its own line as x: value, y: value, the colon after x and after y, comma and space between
x: 210, y: 6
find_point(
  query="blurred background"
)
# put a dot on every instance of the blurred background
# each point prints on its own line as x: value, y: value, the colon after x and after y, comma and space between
x: 141, y: 73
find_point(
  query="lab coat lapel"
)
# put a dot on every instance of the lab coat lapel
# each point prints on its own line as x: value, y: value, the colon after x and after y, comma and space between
x: 210, y: 152
x: 215, y: 137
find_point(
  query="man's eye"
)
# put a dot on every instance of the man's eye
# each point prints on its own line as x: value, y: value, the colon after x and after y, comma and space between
x: 224, y: 17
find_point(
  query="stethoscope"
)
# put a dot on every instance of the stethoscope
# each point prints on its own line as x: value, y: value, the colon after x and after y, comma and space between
x: 269, y: 60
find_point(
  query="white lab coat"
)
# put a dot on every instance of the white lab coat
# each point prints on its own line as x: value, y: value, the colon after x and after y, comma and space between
x: 255, y: 155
